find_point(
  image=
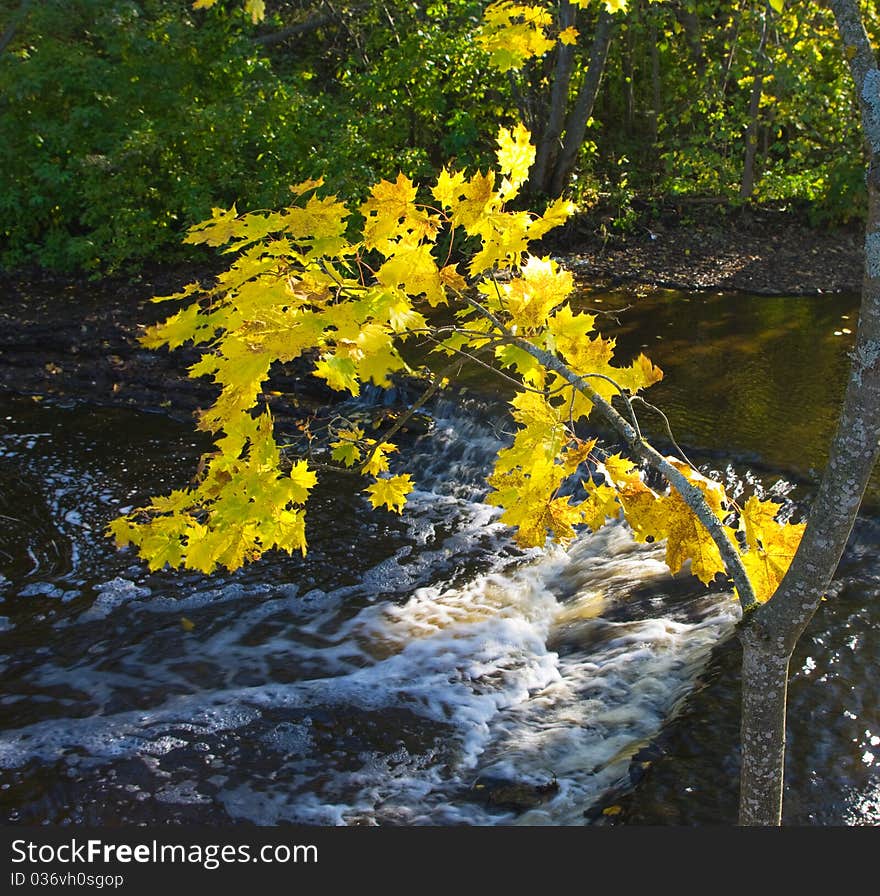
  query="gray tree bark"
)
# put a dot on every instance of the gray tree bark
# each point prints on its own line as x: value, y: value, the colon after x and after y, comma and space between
x: 770, y: 633
x: 14, y: 22
x: 550, y: 139
x: 747, y: 183
x: 576, y: 122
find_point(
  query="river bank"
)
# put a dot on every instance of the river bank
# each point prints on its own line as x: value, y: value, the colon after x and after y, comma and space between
x: 57, y: 344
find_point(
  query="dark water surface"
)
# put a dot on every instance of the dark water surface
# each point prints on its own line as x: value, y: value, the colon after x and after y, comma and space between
x: 421, y: 669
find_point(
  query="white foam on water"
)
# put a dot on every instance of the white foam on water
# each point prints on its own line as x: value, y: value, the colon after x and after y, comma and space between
x: 477, y: 661
x: 384, y: 701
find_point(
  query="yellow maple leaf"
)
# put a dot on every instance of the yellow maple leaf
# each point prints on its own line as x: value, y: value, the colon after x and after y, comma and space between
x: 525, y: 364
x: 758, y: 520
x: 562, y: 517
x: 641, y: 374
x: 569, y: 36
x: 687, y: 537
x: 766, y: 568
x: 346, y: 449
x: 179, y: 499
x: 175, y: 330
x: 532, y: 408
x: 450, y: 277
x: 529, y: 498
x: 600, y: 505
x: 531, y: 297
x: 414, y: 270
x: 512, y: 33
x: 392, y: 215
x: 575, y: 454
x: 390, y: 492
x: 203, y: 545
x: 339, y: 372
x: 505, y: 239
x: 378, y: 462
x: 771, y: 546
x: 290, y: 534
x: 216, y: 230
x: 448, y: 190
x: 124, y: 531
x: 306, y: 186
x: 570, y: 330
x: 516, y: 154
x: 301, y: 481
x: 479, y: 198
x: 639, y: 502
x: 256, y: 9
x: 556, y: 214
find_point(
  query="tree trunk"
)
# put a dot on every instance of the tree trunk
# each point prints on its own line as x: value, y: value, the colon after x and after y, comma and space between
x: 549, y: 142
x: 656, y: 88
x: 770, y: 633
x: 747, y: 184
x: 762, y: 730
x: 690, y: 23
x: 736, y: 22
x: 576, y: 124
x: 628, y: 71
x: 14, y: 22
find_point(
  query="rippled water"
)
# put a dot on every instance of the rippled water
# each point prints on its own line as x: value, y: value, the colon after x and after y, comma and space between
x: 410, y: 670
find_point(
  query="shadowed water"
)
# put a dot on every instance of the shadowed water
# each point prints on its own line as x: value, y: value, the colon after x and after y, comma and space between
x: 421, y: 669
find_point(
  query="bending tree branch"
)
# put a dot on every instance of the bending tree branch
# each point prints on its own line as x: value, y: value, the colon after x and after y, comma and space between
x: 690, y: 494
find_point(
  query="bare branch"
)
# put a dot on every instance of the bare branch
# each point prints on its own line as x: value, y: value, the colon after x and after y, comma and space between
x: 306, y: 27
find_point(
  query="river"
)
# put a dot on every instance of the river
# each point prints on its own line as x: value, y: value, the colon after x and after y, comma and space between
x: 422, y: 669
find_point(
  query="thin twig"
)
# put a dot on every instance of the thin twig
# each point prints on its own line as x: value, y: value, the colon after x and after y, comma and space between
x: 675, y: 444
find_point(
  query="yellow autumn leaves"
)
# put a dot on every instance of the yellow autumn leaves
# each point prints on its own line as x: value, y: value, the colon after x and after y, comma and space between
x: 301, y: 285
x: 345, y: 291
x: 514, y: 31
x: 545, y: 455
x: 242, y: 506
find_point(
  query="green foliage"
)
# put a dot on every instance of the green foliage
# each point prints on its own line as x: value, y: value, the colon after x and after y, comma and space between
x: 677, y: 91
x: 122, y: 123
x: 707, y: 57
x: 410, y: 91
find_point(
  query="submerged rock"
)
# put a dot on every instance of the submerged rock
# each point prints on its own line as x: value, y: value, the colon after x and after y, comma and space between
x: 505, y: 793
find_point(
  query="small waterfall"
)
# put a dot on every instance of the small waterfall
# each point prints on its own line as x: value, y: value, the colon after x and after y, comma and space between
x: 425, y: 678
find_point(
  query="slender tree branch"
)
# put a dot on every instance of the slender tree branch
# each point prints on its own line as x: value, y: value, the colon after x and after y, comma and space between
x: 291, y: 31
x: 14, y: 23
x: 656, y: 410
x: 690, y: 494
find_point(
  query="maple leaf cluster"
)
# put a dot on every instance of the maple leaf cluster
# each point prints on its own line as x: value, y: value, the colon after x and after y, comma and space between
x: 346, y: 290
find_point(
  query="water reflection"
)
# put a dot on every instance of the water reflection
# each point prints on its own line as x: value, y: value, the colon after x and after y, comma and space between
x: 754, y: 377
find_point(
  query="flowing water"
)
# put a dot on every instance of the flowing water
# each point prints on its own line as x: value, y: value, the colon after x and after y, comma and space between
x: 421, y: 669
